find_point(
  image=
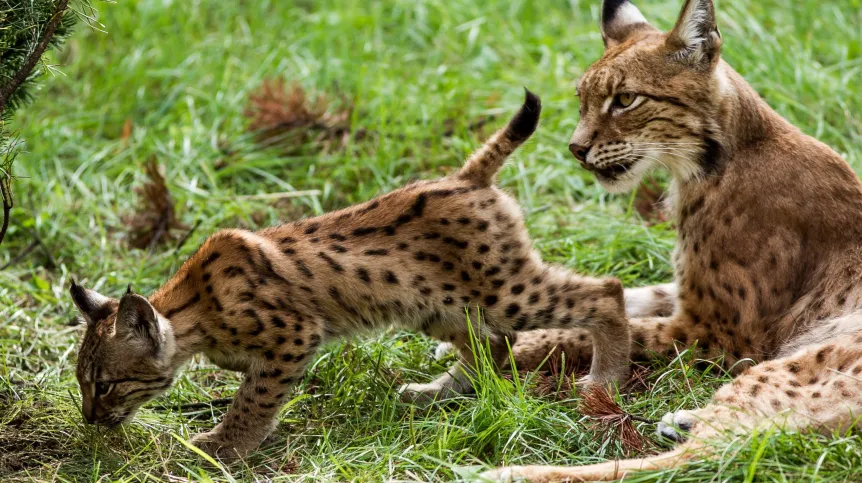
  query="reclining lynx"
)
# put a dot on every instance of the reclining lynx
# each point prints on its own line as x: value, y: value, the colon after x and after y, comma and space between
x: 262, y: 303
x: 768, y: 259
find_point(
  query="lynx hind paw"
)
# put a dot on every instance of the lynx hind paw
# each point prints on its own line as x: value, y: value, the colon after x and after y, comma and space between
x: 604, y: 381
x: 675, y: 426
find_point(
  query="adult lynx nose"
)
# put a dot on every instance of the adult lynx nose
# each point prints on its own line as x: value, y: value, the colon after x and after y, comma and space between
x: 579, y: 151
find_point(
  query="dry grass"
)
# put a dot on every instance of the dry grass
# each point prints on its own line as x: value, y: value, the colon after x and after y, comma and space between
x: 155, y: 217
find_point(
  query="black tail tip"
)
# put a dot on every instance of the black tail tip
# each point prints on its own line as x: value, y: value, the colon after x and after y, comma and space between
x: 525, y: 121
x: 531, y: 100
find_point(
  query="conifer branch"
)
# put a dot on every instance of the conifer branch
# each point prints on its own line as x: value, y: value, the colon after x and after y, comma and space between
x: 7, y: 90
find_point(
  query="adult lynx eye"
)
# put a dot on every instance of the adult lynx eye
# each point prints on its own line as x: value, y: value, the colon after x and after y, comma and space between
x: 625, y: 99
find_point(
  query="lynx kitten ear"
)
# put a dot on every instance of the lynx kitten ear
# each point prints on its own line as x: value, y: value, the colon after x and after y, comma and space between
x: 695, y: 39
x: 619, y: 19
x: 92, y: 305
x: 136, y: 319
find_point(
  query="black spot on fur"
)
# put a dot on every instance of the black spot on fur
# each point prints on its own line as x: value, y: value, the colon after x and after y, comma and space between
x: 303, y: 268
x: 492, y: 271
x: 331, y: 262
x: 210, y: 259
x: 455, y: 242
x: 363, y: 274
x: 233, y: 271
x: 418, y: 206
x: 363, y: 231
x: 195, y: 299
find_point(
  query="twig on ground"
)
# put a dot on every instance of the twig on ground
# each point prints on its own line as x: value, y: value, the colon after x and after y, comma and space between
x: 6, y: 194
x: 598, y: 405
x: 215, y: 403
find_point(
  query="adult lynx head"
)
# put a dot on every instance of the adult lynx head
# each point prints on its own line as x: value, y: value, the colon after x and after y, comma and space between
x: 653, y: 98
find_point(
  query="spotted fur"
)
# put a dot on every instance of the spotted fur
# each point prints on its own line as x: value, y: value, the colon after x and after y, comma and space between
x: 263, y: 302
x: 768, y: 262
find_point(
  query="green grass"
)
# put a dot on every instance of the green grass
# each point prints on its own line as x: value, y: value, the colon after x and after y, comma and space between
x: 180, y: 72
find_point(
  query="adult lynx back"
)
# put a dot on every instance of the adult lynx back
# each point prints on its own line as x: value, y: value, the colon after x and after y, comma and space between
x: 768, y: 259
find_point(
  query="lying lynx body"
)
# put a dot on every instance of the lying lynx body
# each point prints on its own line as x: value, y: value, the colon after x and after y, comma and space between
x: 262, y: 303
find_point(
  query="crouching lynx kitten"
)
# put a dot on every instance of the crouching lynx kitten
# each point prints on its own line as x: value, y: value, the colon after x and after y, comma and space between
x: 263, y: 302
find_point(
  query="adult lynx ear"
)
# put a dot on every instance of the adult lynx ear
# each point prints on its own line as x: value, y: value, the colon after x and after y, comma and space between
x: 92, y: 305
x: 620, y: 18
x: 136, y: 319
x: 695, y: 39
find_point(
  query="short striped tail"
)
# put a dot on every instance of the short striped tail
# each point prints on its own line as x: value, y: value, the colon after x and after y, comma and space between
x: 483, y: 165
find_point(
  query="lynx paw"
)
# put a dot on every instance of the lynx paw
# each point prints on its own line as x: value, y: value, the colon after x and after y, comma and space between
x: 591, y: 380
x: 506, y: 474
x: 214, y: 444
x: 422, y: 394
x: 675, y: 426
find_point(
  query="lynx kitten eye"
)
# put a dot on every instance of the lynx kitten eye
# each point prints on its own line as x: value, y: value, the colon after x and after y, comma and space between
x: 103, y: 389
x: 625, y: 100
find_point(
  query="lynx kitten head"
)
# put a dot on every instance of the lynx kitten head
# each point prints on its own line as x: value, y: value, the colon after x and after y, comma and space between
x: 652, y: 99
x: 125, y: 357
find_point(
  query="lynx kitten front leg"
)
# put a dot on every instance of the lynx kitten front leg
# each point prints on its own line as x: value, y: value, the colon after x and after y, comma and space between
x: 252, y: 415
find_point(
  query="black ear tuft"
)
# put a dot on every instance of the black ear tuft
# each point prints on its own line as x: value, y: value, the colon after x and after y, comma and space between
x: 695, y: 38
x: 129, y: 289
x: 620, y: 18
x: 92, y: 305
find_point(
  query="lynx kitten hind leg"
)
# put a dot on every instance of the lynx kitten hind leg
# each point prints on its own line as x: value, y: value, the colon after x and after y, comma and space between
x: 535, y: 346
x: 549, y: 297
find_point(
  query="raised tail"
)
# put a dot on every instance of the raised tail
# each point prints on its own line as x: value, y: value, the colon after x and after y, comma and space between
x: 482, y: 165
